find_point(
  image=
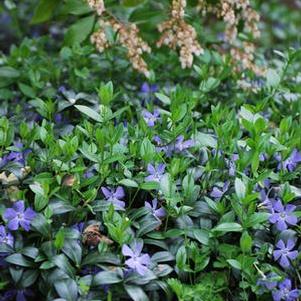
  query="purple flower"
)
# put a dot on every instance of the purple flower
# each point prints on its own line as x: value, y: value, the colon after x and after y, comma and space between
x: 146, y: 88
x: 79, y: 227
x: 90, y: 270
x: 18, y: 295
x: 17, y: 216
x: 18, y: 156
x: 232, y: 165
x: 89, y: 173
x: 269, y: 282
x: 263, y: 157
x: 6, y: 237
x: 282, y: 216
x: 285, y: 253
x: 113, y: 196
x: 8, y: 295
x: 266, y: 202
x: 182, y: 145
x: 157, y: 212
x: 61, y: 89
x: 291, y: 162
x: 3, y: 161
x: 285, y: 292
x: 59, y: 118
x: 160, y: 146
x: 137, y: 261
x: 151, y: 118
x: 155, y: 173
x: 218, y: 193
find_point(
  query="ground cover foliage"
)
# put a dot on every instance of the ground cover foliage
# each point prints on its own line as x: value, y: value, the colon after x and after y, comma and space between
x: 126, y: 183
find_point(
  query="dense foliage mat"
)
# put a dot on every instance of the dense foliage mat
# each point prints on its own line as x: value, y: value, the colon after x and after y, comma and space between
x: 182, y: 186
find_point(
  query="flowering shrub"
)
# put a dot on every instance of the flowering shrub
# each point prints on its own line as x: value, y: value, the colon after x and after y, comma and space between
x: 183, y: 187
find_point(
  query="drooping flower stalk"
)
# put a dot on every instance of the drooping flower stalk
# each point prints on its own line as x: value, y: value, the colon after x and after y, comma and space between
x: 176, y: 33
x: 233, y: 12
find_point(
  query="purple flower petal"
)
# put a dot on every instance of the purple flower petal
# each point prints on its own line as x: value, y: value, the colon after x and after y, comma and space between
x: 280, y: 244
x: 151, y: 169
x: 154, y: 204
x: 161, y: 168
x: 278, y: 206
x: 29, y: 214
x: 107, y: 192
x: 292, y: 220
x: 277, y: 295
x: 9, y: 214
x: 141, y: 269
x: 160, y: 213
x: 284, y: 262
x: 292, y: 255
x: 126, y: 251
x: 290, y: 208
x: 13, y: 224
x: 290, y: 244
x: 25, y: 224
x: 148, y: 205
x: 216, y: 193
x: 281, y: 225
x: 137, y: 248
x: 119, y: 193
x: 285, y: 284
x: 277, y: 254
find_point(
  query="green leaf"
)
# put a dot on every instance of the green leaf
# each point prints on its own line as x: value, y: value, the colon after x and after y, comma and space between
x: 59, y: 239
x: 132, y: 3
x: 44, y: 11
x: 273, y: 78
x: 27, y: 90
x: 108, y: 277
x: 62, y: 263
x: 67, y: 289
x: 29, y: 277
x: 89, y: 112
x: 202, y: 139
x: 234, y: 264
x: 60, y: 207
x: 147, y: 150
x: 148, y: 224
x: 228, y: 227
x: 76, y: 7
x: 9, y: 72
x: 246, y: 242
x: 256, y: 219
x: 41, y: 225
x: 162, y: 257
x: 181, y: 257
x: 128, y: 183
x: 79, y: 31
x: 200, y: 235
x: 40, y: 202
x: 165, y: 99
x: 20, y: 260
x: 136, y: 293
x: 73, y: 250
x: 240, y: 188
x: 210, y: 84
x: 37, y: 188
x: 149, y: 185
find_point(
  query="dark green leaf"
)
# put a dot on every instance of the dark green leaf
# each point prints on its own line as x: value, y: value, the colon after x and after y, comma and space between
x: 44, y: 11
x: 108, y: 277
x: 67, y: 289
x: 79, y: 31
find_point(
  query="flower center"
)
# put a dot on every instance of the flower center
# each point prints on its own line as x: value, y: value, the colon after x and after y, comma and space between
x: 20, y: 216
